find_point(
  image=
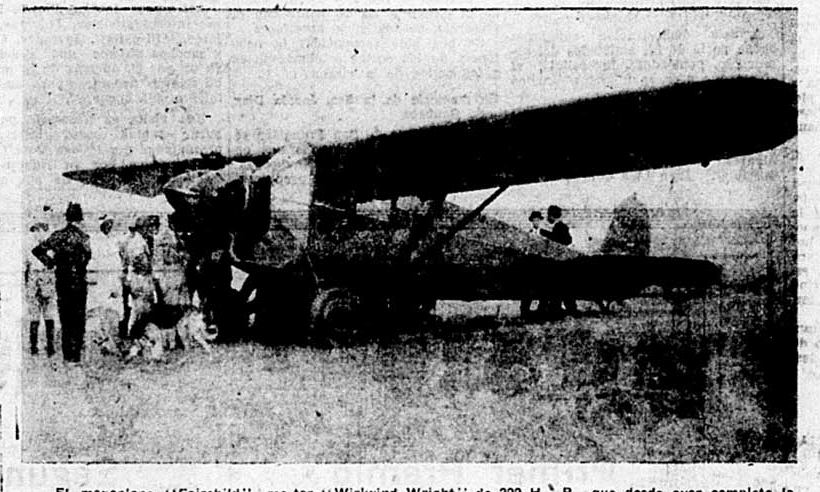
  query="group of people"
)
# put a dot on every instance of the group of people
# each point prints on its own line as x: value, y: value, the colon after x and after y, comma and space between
x: 553, y: 229
x: 126, y: 292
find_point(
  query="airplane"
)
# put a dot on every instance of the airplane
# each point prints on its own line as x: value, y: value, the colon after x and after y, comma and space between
x: 331, y: 233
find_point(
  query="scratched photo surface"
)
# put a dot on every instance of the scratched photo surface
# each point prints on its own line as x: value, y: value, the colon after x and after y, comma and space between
x: 352, y: 254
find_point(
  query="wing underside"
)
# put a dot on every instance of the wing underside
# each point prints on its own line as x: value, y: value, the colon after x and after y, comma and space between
x: 672, y: 126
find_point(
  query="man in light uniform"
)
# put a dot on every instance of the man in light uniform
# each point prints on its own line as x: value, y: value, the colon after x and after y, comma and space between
x: 138, y: 272
x: 41, y: 295
x: 170, y: 261
x: 105, y: 287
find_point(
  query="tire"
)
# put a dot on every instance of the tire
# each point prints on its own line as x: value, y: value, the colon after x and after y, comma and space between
x: 335, y: 316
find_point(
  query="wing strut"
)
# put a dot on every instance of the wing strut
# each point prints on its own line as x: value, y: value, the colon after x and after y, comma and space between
x: 461, y: 224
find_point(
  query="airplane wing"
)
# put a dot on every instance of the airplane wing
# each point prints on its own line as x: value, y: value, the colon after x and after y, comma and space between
x: 672, y: 126
x: 686, y: 123
x: 148, y: 179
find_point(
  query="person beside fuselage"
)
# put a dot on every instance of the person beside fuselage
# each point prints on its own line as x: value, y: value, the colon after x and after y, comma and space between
x: 536, y: 219
x: 557, y: 231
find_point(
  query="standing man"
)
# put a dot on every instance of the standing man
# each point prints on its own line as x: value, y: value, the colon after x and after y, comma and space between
x: 170, y: 262
x: 105, y: 266
x: 105, y: 287
x: 558, y: 232
x: 122, y: 247
x: 68, y: 250
x: 40, y: 294
x: 536, y: 220
x: 137, y: 263
x: 536, y: 230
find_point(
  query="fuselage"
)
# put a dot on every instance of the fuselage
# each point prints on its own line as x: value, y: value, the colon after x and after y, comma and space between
x: 274, y: 217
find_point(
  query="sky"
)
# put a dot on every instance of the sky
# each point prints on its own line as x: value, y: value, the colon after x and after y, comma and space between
x: 118, y: 88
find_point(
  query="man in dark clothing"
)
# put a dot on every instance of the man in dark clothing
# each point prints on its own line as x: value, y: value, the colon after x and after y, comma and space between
x: 536, y: 219
x: 68, y: 251
x: 559, y: 232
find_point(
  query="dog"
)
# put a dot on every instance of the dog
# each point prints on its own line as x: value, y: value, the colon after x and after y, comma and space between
x: 171, y: 328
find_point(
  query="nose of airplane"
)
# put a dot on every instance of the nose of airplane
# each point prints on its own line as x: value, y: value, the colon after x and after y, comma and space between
x: 197, y: 191
x: 182, y: 193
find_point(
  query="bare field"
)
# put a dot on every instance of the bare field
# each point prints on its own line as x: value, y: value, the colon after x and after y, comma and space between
x: 642, y: 384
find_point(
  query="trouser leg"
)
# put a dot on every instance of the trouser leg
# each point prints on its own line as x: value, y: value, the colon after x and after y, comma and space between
x: 74, y: 338
x: 65, y: 336
x: 50, y: 337
x: 65, y: 323
x: 71, y: 305
x: 79, y: 327
x: 126, y: 313
x: 139, y: 318
x: 76, y: 334
x: 33, y: 329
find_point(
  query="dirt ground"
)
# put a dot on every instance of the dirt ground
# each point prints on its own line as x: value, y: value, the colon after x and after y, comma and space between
x: 475, y: 385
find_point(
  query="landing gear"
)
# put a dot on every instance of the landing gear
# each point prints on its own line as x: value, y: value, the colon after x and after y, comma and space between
x: 339, y: 316
x: 610, y: 306
x: 336, y: 316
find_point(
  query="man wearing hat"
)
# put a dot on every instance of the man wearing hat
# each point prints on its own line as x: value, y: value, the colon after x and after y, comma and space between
x: 104, y: 310
x: 40, y: 295
x: 68, y: 251
x: 537, y: 231
x: 137, y: 263
x: 536, y: 220
x: 557, y: 231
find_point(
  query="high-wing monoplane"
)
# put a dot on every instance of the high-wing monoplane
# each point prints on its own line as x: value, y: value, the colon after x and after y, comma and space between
x: 328, y: 230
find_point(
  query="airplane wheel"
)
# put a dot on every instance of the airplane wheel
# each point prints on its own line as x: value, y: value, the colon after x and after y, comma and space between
x: 335, y: 315
x: 611, y: 307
